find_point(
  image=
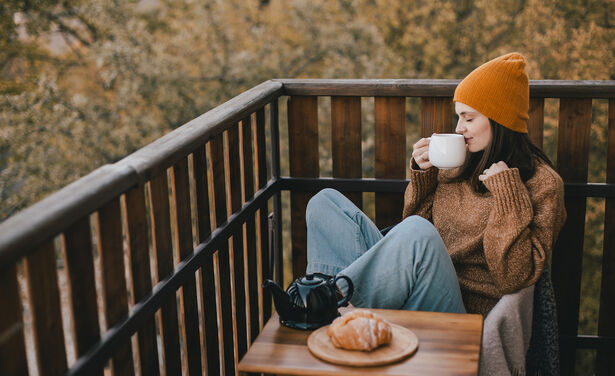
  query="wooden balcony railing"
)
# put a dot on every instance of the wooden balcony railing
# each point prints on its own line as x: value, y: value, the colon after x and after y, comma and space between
x: 172, y: 242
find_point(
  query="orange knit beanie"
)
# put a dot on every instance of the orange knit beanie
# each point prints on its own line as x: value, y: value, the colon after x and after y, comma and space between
x: 499, y: 89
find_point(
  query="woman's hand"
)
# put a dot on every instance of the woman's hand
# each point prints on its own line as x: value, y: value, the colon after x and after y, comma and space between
x: 494, y: 169
x: 420, y: 153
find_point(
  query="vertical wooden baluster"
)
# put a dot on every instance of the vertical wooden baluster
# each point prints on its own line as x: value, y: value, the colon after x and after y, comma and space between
x: 346, y: 141
x: 572, y: 165
x: 115, y: 299
x: 12, y: 343
x: 42, y: 279
x: 163, y: 250
x: 263, y: 212
x: 436, y: 115
x: 79, y: 263
x: 606, y: 327
x: 248, y: 187
x: 390, y: 151
x: 217, y: 163
x: 189, y: 305
x: 138, y: 249
x: 210, y: 318
x: 537, y: 118
x: 276, y: 241
x: 238, y: 266
x: 303, y: 158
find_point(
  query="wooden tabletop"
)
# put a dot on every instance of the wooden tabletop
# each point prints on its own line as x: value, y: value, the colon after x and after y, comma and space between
x: 449, y: 344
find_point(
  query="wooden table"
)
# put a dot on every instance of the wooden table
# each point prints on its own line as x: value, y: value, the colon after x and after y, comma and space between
x: 448, y: 344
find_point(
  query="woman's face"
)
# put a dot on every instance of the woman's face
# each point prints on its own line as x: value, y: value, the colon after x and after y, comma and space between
x: 474, y: 127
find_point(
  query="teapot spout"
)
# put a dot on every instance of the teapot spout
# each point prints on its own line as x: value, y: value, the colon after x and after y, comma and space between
x: 281, y: 300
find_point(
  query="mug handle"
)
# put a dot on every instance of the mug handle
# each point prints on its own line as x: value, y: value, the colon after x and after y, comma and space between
x: 350, y: 290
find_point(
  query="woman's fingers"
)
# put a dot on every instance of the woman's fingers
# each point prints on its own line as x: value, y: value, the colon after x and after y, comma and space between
x: 422, y: 142
x: 420, y: 153
x: 493, y: 169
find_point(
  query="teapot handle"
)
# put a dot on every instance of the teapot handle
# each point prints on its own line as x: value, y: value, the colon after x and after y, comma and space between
x: 350, y: 290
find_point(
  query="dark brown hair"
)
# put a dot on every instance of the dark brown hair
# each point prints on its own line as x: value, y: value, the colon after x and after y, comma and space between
x: 514, y: 148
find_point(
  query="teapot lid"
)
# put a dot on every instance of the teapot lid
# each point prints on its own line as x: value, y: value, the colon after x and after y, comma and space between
x: 311, y: 280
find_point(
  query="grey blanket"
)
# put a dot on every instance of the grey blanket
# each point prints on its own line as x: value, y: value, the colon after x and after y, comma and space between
x: 526, y: 318
x: 507, y: 331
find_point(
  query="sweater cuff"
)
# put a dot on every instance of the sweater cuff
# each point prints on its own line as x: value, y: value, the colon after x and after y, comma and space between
x: 509, y: 192
x: 423, y: 181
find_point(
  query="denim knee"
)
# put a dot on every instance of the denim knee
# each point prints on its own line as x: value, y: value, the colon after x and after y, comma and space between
x: 416, y: 229
x: 319, y: 203
x: 416, y: 225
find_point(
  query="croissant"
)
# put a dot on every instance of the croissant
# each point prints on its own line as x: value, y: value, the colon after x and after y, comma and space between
x: 359, y: 330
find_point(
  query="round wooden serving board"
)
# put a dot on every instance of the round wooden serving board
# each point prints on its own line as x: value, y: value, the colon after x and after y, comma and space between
x: 403, y: 344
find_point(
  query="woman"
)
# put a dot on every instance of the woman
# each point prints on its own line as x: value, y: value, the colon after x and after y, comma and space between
x: 469, y: 235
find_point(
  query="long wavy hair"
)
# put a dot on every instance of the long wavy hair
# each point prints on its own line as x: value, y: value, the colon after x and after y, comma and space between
x: 514, y: 148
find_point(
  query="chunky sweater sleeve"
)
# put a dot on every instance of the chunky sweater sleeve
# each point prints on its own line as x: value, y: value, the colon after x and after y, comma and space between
x: 418, y: 199
x: 522, y: 226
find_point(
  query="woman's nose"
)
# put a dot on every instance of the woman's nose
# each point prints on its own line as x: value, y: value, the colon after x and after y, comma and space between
x: 460, y: 128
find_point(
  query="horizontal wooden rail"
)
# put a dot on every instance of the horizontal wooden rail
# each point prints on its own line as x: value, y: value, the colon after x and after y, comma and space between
x: 399, y: 185
x: 590, y: 342
x: 26, y: 230
x: 437, y: 88
x: 97, y: 357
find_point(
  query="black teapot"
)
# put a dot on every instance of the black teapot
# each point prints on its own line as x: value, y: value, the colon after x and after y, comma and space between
x: 309, y: 302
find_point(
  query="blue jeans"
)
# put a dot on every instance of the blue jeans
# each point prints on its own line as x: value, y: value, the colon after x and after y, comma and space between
x: 408, y: 269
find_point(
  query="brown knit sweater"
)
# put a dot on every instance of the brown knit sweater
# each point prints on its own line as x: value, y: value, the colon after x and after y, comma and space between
x: 499, y: 241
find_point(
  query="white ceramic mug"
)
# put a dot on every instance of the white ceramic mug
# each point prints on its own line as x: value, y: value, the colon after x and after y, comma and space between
x: 447, y: 150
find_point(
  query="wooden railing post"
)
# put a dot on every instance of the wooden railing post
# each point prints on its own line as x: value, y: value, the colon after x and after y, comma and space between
x: 346, y: 141
x: 79, y: 263
x: 260, y: 154
x: 229, y: 337
x: 208, y: 286
x: 436, y: 115
x: 277, y: 256
x: 163, y: 252
x: 183, y: 227
x: 237, y: 242
x: 12, y: 344
x: 303, y: 160
x: 606, y: 326
x: 535, y: 124
x: 252, y: 259
x: 572, y: 165
x: 115, y: 299
x: 138, y: 249
x: 390, y: 152
x: 44, y: 294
